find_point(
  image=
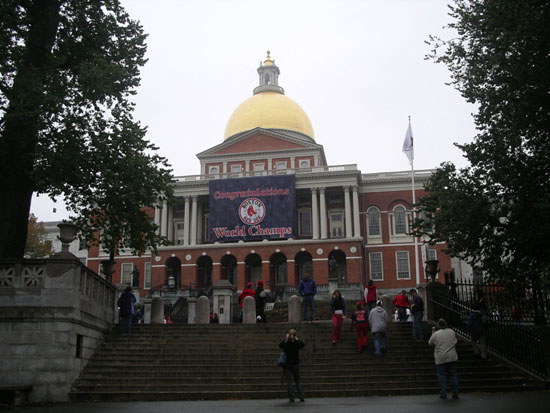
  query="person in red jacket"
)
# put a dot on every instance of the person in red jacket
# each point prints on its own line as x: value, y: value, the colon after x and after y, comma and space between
x: 401, y: 302
x: 370, y: 295
x: 248, y: 291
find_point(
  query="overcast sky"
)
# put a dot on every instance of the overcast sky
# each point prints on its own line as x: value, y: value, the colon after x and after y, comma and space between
x: 357, y: 68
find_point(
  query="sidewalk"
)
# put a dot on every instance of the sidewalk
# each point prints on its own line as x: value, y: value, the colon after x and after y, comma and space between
x: 470, y: 403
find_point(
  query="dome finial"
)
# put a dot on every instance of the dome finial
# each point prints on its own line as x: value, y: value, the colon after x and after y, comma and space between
x: 268, y: 61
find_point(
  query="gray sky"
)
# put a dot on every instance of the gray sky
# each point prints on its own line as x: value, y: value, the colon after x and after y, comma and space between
x: 357, y: 68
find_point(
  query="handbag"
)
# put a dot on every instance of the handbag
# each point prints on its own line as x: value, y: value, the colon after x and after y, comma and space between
x: 281, y: 361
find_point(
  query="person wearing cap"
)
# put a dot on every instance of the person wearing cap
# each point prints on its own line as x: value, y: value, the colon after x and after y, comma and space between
x: 377, y: 323
x: 444, y: 341
x: 307, y: 289
x: 417, y: 310
x: 126, y: 304
x: 248, y: 291
x: 401, y: 302
x: 261, y: 299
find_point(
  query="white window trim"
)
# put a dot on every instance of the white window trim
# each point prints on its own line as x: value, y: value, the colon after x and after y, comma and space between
x: 374, y: 237
x: 125, y: 265
x: 257, y: 166
x: 213, y: 170
x: 176, y: 223
x: 381, y: 265
x: 391, y: 225
x: 278, y: 165
x: 147, y: 276
x: 397, y: 266
x: 341, y: 213
x: 310, y: 222
x: 234, y: 169
x: 300, y: 166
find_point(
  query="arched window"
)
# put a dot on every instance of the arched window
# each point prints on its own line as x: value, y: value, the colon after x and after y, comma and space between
x: 373, y: 222
x: 400, y: 220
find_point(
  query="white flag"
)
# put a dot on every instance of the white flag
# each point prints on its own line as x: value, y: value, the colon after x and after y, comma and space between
x: 408, y: 147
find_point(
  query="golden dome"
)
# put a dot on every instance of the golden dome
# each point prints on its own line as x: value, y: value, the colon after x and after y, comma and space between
x: 269, y: 110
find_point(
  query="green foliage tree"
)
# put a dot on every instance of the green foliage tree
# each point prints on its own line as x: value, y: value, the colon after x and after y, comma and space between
x: 69, y: 69
x: 495, y: 213
x: 37, y: 246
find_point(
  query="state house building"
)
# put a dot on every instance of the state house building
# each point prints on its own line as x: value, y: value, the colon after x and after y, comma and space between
x: 268, y: 206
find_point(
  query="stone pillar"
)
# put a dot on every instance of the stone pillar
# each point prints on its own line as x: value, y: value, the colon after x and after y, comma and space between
x: 186, y: 224
x: 388, y: 306
x: 314, y: 214
x: 147, y: 312
x: 191, y: 310
x: 323, y: 213
x: 203, y: 310
x: 199, y: 223
x: 170, y: 222
x: 157, y: 218
x: 347, y: 208
x: 429, y: 290
x: 193, y: 240
x: 356, y: 220
x: 157, y: 311
x: 223, y: 300
x: 249, y: 310
x: 163, y: 219
x: 294, y: 309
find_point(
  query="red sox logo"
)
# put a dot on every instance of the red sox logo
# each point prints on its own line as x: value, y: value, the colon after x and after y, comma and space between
x: 252, y: 211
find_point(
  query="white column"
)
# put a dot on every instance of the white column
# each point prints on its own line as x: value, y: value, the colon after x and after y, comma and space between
x: 170, y: 222
x: 314, y: 214
x: 194, y: 221
x: 186, y: 224
x: 163, y: 219
x: 157, y: 217
x: 347, y: 207
x: 323, y: 208
x: 356, y: 222
x: 199, y: 223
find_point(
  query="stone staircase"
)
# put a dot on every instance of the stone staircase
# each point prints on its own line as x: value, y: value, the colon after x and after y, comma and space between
x: 200, y: 362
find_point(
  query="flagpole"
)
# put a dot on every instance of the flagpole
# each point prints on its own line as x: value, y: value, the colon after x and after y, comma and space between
x: 414, y: 217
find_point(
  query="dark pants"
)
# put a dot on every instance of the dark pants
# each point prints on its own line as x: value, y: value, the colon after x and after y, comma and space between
x: 308, y: 303
x: 361, y: 330
x: 293, y: 370
x: 379, y: 342
x: 417, y: 331
x: 402, y: 314
x: 371, y: 305
x: 126, y: 324
x: 447, y: 371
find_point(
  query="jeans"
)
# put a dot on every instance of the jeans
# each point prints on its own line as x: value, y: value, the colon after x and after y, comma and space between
x: 417, y: 331
x: 308, y: 302
x: 361, y: 336
x: 444, y: 371
x: 337, y: 322
x: 379, y: 342
x: 126, y: 324
x: 293, y: 370
x: 402, y: 314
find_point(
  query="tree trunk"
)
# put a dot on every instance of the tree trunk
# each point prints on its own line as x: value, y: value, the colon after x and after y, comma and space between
x: 21, y: 120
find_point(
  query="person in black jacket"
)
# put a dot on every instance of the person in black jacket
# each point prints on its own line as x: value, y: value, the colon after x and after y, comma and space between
x: 291, y: 345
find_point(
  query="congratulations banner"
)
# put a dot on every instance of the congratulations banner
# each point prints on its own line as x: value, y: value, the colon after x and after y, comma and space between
x: 252, y: 208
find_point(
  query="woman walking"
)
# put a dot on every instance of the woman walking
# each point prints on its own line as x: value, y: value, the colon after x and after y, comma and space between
x: 338, y: 309
x: 291, y: 345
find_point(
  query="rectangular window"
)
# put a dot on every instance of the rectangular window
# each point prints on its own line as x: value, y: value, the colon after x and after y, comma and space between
x: 336, y: 199
x: 373, y: 217
x: 304, y: 218
x: 303, y: 200
x: 336, y: 225
x: 180, y: 233
x: 126, y: 273
x: 402, y: 261
x: 82, y: 244
x: 147, y: 276
x: 206, y: 231
x: 375, y: 259
x: 235, y: 169
x: 259, y: 167
x: 280, y: 165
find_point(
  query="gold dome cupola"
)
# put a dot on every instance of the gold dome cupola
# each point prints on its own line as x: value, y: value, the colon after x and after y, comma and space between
x: 269, y: 77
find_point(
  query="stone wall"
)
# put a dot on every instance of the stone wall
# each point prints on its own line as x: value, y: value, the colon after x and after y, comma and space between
x: 54, y: 313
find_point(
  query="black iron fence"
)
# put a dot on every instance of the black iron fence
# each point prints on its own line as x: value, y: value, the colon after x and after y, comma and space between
x: 514, y: 319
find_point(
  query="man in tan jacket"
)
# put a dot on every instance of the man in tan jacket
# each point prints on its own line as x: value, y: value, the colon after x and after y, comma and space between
x: 444, y: 341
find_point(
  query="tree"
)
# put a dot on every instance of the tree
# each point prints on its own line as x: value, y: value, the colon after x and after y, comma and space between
x: 37, y: 246
x: 69, y: 69
x: 495, y: 213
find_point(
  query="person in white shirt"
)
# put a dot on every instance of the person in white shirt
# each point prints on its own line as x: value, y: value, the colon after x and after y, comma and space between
x: 444, y: 341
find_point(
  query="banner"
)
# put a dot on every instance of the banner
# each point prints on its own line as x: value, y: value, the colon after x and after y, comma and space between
x: 253, y: 208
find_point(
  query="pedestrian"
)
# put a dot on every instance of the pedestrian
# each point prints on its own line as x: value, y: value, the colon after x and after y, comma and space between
x: 126, y: 305
x: 248, y: 291
x: 307, y: 289
x: 377, y: 323
x: 361, y: 320
x: 338, y: 309
x: 214, y: 319
x: 261, y: 299
x: 401, y: 302
x: 417, y: 310
x: 370, y: 295
x: 291, y: 345
x: 477, y: 325
x: 444, y: 342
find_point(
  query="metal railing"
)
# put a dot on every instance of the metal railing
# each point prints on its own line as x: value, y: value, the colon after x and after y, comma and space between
x: 510, y: 333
